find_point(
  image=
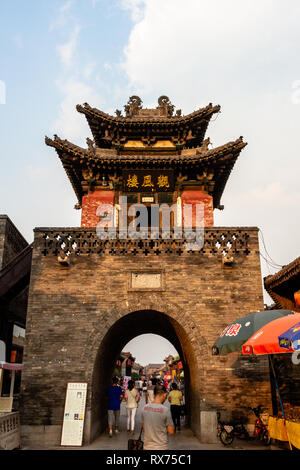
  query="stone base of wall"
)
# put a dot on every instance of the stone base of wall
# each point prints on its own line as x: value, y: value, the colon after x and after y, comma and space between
x: 40, y: 436
x: 208, y: 427
x: 46, y: 436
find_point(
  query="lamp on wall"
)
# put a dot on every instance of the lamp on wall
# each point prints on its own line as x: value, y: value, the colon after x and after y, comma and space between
x: 63, y: 259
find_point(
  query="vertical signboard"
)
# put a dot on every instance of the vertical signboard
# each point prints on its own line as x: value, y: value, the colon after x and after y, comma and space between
x: 73, y: 421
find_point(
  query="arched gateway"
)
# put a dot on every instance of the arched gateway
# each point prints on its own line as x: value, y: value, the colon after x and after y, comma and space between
x: 127, y: 327
x: 124, y: 273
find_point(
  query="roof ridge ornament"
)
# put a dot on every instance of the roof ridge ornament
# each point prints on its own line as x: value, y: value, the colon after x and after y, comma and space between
x: 91, y: 146
x: 204, y: 147
x: 133, y: 106
x: 165, y: 105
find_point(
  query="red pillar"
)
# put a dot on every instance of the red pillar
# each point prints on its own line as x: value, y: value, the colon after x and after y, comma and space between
x: 90, y: 204
x: 199, y: 197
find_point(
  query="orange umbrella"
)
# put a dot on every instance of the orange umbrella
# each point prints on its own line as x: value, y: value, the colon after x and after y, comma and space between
x: 265, y: 340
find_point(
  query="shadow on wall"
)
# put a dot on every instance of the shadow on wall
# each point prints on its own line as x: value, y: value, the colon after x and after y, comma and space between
x: 254, y: 369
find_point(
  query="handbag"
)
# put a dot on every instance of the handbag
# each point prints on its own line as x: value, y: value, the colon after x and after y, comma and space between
x: 136, y: 444
x: 183, y: 410
x: 137, y: 401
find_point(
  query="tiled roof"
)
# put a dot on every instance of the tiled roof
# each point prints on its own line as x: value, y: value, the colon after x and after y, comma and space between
x: 76, y: 159
x: 109, y: 130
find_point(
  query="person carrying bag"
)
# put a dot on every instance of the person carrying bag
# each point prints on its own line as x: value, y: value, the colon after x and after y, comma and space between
x: 132, y: 398
x: 136, y: 444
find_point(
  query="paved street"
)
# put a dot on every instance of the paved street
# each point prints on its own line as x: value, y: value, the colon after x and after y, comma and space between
x: 184, y: 440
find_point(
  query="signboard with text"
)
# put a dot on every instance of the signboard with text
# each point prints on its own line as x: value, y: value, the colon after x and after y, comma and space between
x: 148, y: 181
x: 74, y: 412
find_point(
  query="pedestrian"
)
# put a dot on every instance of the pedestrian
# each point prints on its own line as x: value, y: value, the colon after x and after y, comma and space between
x: 150, y: 391
x: 132, y: 398
x: 175, y: 398
x: 157, y: 422
x: 140, y: 386
x: 144, y: 389
x: 115, y: 396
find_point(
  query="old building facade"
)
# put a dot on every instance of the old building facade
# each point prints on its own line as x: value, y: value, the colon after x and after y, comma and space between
x: 96, y: 287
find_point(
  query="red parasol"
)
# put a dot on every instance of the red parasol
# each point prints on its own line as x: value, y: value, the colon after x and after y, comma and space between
x: 265, y: 340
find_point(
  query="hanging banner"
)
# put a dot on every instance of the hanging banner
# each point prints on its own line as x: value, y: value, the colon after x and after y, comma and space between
x: 74, y: 412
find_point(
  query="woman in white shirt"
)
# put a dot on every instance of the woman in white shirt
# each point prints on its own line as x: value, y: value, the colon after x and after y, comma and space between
x: 132, y: 398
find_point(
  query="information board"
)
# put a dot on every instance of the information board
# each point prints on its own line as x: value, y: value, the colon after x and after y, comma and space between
x: 74, y: 412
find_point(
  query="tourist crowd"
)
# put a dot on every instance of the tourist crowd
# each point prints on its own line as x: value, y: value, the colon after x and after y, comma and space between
x: 157, y: 419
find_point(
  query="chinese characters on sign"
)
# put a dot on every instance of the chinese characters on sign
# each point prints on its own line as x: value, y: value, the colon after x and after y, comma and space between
x: 148, y: 180
x: 232, y: 330
x: 74, y: 412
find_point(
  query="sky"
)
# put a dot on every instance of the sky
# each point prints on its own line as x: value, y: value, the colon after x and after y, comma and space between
x: 150, y: 349
x: 244, y: 56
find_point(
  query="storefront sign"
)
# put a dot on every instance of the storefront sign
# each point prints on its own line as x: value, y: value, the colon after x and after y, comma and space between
x: 148, y: 181
x: 74, y: 413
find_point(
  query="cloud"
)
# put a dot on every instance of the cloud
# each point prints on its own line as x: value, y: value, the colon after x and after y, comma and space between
x: 136, y: 7
x: 70, y: 124
x: 61, y: 18
x: 209, y: 45
x: 66, y: 51
x: 243, y: 56
x: 73, y: 80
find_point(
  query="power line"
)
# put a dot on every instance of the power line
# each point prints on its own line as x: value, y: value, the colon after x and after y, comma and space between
x: 270, y: 261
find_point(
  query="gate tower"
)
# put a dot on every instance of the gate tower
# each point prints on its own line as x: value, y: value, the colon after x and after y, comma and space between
x: 90, y: 295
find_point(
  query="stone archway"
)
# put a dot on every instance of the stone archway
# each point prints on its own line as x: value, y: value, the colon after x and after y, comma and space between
x: 124, y: 329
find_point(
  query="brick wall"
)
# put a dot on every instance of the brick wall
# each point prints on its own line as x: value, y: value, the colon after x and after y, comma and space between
x: 80, y: 317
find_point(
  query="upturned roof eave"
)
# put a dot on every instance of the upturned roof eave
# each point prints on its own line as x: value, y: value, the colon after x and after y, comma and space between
x: 284, y: 275
x: 227, y: 154
x: 65, y: 148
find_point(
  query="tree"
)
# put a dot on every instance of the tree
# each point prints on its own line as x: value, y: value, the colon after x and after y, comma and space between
x: 135, y: 376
